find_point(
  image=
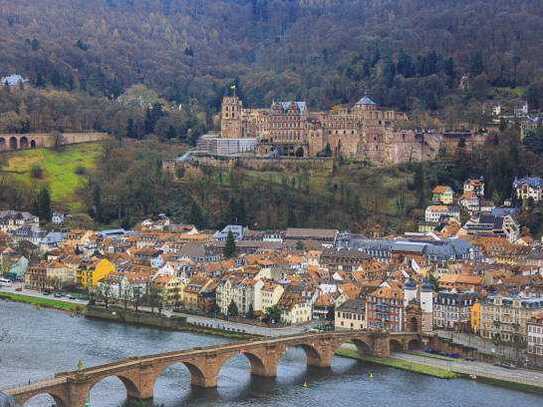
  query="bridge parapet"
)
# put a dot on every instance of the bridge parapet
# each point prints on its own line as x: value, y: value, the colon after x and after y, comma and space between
x: 139, y: 374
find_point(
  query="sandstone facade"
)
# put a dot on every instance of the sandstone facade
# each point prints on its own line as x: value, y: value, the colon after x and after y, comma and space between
x: 364, y: 131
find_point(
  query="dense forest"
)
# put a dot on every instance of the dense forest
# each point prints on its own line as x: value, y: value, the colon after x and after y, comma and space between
x: 409, y: 54
x: 138, y: 68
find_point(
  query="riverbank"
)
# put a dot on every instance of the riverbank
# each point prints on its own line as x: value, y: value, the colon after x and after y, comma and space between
x: 516, y: 379
x: 453, y: 369
x: 43, y: 302
x: 172, y: 323
x: 400, y: 364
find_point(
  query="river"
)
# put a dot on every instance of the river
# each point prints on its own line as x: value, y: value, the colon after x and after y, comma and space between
x: 37, y: 343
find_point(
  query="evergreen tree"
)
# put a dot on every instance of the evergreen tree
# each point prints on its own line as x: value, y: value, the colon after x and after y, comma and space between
x: 327, y: 152
x: 131, y: 128
x: 44, y: 205
x: 420, y: 185
x: 195, y: 216
x: 250, y: 312
x: 233, y: 309
x: 230, y: 246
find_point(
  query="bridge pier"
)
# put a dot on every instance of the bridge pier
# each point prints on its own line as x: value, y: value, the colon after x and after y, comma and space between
x: 71, y: 389
x: 264, y: 362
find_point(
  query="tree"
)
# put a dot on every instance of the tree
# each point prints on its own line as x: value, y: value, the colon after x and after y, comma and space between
x: 195, y: 215
x: 476, y: 64
x: 273, y: 314
x: 534, y: 141
x: 420, y: 185
x: 250, y: 312
x: 432, y: 279
x: 233, y: 309
x: 136, y: 296
x: 230, y: 246
x: 44, y: 205
x: 154, y: 299
x: 104, y: 292
x: 36, y: 171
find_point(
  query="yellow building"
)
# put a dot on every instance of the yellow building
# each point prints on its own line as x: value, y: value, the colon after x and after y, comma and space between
x: 475, y: 317
x: 92, y: 277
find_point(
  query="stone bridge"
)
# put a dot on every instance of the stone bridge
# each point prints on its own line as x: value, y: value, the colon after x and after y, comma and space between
x: 11, y: 142
x: 139, y: 374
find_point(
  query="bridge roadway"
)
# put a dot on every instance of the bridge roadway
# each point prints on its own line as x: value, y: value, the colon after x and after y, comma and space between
x: 139, y: 374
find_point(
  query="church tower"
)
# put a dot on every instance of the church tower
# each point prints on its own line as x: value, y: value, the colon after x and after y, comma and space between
x: 231, y: 126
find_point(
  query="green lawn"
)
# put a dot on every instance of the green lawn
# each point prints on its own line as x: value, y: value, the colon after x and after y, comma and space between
x: 59, y: 170
x: 42, y: 302
x: 400, y: 364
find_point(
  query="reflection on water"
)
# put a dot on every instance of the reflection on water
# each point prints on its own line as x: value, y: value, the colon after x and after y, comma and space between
x: 47, y: 341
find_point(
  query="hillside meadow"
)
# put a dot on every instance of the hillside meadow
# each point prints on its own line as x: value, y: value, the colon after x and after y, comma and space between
x: 65, y: 171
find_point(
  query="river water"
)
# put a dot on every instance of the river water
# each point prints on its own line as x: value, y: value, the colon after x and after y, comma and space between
x: 37, y: 343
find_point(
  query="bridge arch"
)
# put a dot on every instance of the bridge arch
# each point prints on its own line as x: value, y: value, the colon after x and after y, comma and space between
x: 23, y: 142
x: 414, y: 344
x: 258, y: 366
x: 2, y: 143
x: 132, y: 391
x: 13, y: 145
x: 201, y: 375
x: 362, y: 347
x: 396, y: 346
x: 43, y: 398
x: 33, y: 144
x: 315, y: 357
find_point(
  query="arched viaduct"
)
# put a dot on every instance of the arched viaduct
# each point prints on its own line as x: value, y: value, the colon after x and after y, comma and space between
x: 13, y: 142
x: 139, y: 374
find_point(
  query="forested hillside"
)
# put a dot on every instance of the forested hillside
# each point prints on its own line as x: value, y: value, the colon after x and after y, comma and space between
x: 410, y: 54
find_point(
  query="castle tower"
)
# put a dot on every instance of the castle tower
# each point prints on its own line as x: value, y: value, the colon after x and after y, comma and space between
x: 409, y: 291
x: 231, y: 126
x: 427, y: 305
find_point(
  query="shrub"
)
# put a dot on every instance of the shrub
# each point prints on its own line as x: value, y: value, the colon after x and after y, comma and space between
x: 36, y: 171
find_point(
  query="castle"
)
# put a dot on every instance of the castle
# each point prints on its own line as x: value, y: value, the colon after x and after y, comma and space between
x: 364, y: 131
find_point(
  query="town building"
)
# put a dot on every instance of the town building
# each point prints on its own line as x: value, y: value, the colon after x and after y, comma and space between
x: 475, y: 185
x: 535, y: 341
x: 351, y: 315
x: 422, y: 296
x: 452, y: 310
x: 506, y: 318
x: 435, y: 213
x: 442, y: 194
x: 385, y: 308
x: 528, y: 188
x: 89, y: 278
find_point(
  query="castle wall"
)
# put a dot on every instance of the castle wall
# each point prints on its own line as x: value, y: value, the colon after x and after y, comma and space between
x: 176, y: 168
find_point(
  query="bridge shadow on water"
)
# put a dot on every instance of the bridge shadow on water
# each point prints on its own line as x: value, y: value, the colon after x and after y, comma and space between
x: 236, y: 384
